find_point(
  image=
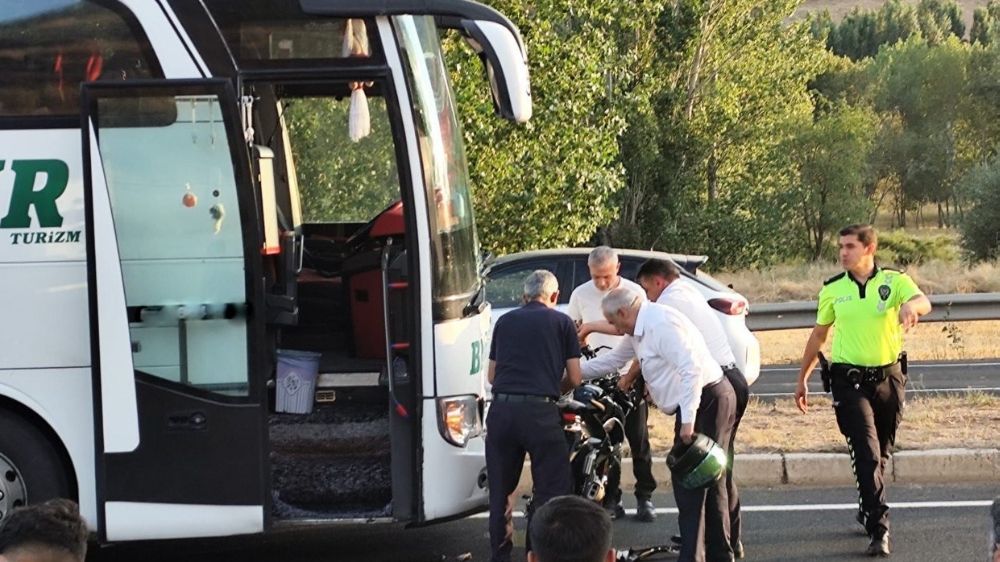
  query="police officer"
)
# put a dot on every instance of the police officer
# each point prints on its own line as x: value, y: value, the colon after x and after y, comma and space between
x: 533, y: 346
x: 585, y: 309
x: 871, y: 307
x: 662, y: 282
x: 683, y: 379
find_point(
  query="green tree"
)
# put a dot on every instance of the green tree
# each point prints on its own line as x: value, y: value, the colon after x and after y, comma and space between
x: 985, y: 23
x: 861, y: 33
x: 733, y: 89
x: 981, y: 224
x: 856, y: 37
x: 940, y: 19
x: 979, y: 137
x: 555, y: 180
x: 340, y: 180
x: 923, y: 85
x: 831, y: 156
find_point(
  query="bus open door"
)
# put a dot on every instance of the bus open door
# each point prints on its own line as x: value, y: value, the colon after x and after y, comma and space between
x: 170, y: 237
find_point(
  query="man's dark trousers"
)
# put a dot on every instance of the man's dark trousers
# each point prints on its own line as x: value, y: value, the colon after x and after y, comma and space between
x: 513, y: 429
x: 742, y: 391
x: 637, y: 433
x: 868, y: 417
x: 703, y: 514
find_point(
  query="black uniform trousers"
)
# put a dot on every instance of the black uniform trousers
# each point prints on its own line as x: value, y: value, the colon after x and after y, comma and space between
x: 868, y: 417
x: 703, y: 514
x: 742, y: 391
x: 637, y: 433
x: 514, y: 429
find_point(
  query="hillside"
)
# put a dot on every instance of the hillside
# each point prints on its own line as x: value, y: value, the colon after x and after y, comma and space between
x: 839, y: 8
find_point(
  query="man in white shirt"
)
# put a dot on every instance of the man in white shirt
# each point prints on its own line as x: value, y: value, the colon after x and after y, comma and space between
x: 683, y: 379
x: 593, y: 329
x: 662, y: 281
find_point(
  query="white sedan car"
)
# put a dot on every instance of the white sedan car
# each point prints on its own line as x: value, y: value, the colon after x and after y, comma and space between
x: 505, y: 279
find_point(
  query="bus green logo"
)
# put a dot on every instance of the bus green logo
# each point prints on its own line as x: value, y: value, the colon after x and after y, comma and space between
x: 24, y: 196
x: 477, y: 357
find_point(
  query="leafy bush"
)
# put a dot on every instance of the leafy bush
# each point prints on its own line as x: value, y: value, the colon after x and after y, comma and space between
x: 901, y: 248
x: 981, y: 224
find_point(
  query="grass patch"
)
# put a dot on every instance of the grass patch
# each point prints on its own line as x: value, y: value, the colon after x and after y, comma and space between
x: 802, y: 282
x: 929, y: 341
x: 929, y: 422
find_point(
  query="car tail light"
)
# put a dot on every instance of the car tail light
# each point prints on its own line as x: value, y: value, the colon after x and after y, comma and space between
x: 730, y: 306
x: 459, y: 419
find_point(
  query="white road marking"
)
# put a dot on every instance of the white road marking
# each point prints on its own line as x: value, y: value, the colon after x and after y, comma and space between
x: 812, y: 507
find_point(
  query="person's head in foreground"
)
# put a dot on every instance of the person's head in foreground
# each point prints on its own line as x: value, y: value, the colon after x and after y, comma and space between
x: 571, y: 529
x: 52, y: 531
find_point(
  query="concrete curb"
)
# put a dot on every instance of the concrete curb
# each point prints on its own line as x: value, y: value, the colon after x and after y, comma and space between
x: 834, y: 469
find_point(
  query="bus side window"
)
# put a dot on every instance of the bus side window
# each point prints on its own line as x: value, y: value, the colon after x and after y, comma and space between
x: 48, y: 48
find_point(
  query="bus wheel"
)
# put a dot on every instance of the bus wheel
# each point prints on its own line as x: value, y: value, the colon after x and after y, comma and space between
x: 30, y: 468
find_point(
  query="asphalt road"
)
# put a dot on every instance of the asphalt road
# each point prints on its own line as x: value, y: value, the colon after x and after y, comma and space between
x: 778, y: 381
x: 929, y: 524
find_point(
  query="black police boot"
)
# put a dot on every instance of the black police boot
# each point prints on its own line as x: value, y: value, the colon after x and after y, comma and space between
x: 645, y: 512
x: 879, y: 545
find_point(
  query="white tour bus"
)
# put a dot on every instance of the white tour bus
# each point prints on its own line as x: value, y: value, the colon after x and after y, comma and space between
x: 188, y: 188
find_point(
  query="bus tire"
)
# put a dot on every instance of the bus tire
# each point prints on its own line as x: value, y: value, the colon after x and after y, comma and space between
x: 31, y: 468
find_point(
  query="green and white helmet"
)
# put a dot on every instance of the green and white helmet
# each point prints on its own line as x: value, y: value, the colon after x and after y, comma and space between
x: 697, y: 465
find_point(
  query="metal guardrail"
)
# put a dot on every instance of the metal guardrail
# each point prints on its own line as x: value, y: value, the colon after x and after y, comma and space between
x: 946, y: 308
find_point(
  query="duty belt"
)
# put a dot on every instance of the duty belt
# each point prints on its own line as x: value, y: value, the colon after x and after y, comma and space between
x: 858, y: 375
x: 855, y: 374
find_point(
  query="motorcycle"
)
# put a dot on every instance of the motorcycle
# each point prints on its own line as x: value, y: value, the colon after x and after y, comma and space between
x: 594, y: 424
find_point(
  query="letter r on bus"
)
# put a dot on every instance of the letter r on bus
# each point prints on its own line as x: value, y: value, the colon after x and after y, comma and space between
x: 24, y: 195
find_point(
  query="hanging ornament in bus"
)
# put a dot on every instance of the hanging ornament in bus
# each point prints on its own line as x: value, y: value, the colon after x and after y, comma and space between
x: 189, y: 199
x: 218, y: 213
x: 356, y: 45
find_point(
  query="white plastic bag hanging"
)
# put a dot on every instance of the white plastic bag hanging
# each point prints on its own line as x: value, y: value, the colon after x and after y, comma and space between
x: 356, y: 45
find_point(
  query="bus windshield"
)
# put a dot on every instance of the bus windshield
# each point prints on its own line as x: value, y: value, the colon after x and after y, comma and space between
x: 446, y: 177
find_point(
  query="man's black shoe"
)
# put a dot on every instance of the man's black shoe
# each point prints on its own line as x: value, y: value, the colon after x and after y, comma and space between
x: 738, y: 551
x: 645, y: 512
x: 879, y: 545
x: 616, y: 511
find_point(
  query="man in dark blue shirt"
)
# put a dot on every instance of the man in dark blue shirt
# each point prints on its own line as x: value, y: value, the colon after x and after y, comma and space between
x: 532, y: 347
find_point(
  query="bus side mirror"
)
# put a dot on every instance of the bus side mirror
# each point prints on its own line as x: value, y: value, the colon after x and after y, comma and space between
x: 506, y: 61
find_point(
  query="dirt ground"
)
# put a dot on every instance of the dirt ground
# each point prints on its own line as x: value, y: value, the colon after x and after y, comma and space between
x: 929, y: 341
x: 936, y: 422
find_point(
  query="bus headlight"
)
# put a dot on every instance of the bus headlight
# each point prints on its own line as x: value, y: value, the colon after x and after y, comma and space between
x: 459, y: 419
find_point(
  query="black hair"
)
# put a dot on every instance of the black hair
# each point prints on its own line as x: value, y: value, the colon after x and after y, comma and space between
x: 54, y: 524
x: 662, y: 268
x: 865, y: 233
x: 570, y: 529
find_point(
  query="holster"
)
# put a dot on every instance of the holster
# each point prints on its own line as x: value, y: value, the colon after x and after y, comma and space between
x: 824, y: 371
x: 902, y: 362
